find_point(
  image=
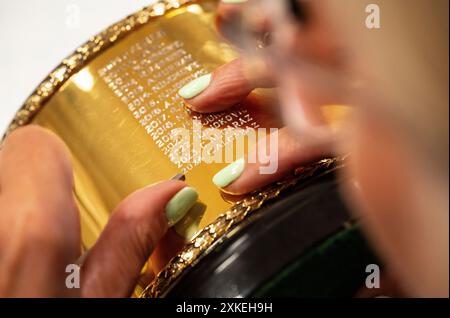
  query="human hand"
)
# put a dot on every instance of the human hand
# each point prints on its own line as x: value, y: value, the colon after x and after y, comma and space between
x: 40, y: 227
x: 232, y: 84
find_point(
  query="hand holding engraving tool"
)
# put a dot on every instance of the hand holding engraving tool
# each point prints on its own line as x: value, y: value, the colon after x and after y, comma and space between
x: 305, y: 71
x: 40, y: 227
x: 114, y: 103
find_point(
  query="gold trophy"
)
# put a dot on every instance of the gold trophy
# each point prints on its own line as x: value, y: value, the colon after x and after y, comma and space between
x: 114, y: 102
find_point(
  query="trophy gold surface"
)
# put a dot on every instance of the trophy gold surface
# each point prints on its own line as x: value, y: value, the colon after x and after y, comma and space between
x: 114, y: 103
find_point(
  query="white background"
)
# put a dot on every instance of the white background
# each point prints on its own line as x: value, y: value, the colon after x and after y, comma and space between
x: 36, y: 35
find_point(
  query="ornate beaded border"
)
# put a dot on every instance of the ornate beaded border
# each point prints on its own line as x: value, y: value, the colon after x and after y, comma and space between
x: 83, y: 55
x: 203, y: 242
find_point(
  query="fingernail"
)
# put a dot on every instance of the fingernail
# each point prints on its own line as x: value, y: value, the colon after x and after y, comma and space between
x: 230, y: 173
x: 195, y: 87
x: 234, y: 1
x: 180, y: 204
x: 188, y: 226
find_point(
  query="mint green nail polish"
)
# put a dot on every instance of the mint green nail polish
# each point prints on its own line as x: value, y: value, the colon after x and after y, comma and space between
x: 180, y: 204
x: 234, y: 1
x: 195, y: 87
x: 230, y: 173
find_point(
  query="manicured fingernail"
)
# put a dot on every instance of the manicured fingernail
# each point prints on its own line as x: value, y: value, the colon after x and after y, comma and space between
x: 230, y: 173
x: 180, y: 204
x: 195, y: 87
x: 234, y: 1
x: 188, y: 226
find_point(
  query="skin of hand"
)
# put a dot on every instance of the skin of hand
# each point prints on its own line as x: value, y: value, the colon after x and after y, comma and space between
x: 40, y: 226
x: 233, y: 82
x: 40, y: 229
x: 405, y: 209
x: 399, y: 147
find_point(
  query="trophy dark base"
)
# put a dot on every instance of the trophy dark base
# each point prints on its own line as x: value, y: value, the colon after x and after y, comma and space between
x: 303, y: 245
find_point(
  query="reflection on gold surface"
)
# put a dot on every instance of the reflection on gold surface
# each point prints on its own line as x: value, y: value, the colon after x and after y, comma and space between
x: 116, y: 114
x: 84, y: 80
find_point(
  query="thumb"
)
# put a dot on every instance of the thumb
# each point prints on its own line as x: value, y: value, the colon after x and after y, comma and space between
x: 113, y: 265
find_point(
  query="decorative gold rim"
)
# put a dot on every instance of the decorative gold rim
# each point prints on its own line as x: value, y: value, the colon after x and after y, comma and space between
x: 84, y: 54
x: 201, y: 244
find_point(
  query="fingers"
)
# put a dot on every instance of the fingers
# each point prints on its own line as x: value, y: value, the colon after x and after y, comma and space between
x: 226, y: 86
x: 231, y: 83
x: 40, y: 232
x: 274, y: 157
x: 243, y: 24
x: 134, y: 229
x: 229, y: 14
x: 228, y: 9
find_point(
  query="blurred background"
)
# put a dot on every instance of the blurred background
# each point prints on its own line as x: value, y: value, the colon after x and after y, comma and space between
x: 35, y: 36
